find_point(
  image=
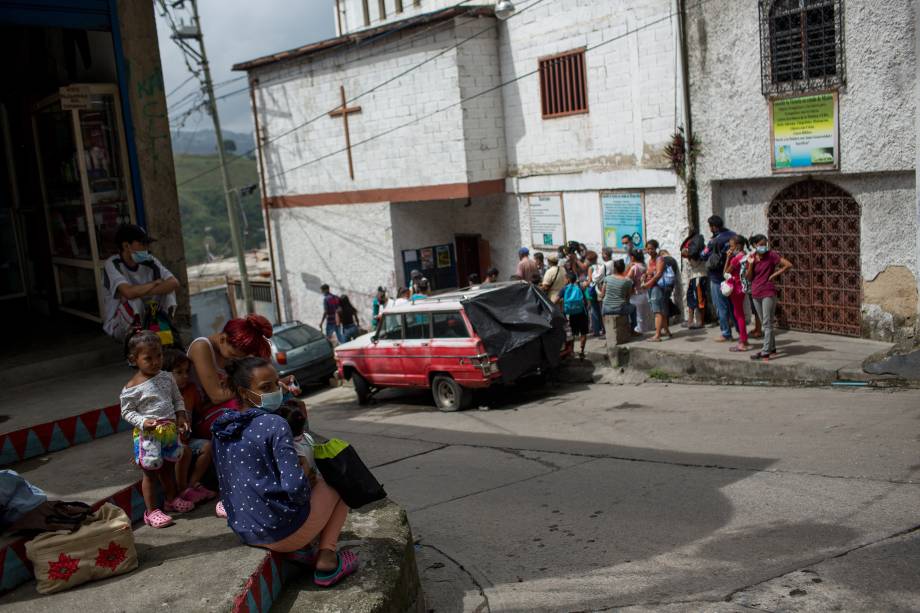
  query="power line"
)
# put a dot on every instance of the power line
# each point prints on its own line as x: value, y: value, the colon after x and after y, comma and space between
x: 180, y: 86
x: 376, y: 87
x: 520, y: 77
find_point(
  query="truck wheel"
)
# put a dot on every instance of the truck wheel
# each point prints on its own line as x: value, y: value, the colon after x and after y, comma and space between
x: 450, y: 395
x: 362, y: 388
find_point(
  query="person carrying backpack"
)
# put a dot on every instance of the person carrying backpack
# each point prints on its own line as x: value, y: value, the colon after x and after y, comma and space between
x: 575, y: 306
x: 714, y: 255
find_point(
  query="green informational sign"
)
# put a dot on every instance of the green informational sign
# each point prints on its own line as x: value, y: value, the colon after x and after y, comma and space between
x: 621, y: 214
x: 805, y: 133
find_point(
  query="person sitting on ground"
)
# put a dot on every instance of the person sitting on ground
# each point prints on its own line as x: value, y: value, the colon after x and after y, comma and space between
x: 733, y: 259
x: 659, y: 281
x: 491, y: 276
x: 269, y: 500
x: 762, y: 271
x: 575, y: 307
x: 422, y: 290
x: 553, y: 280
x: 135, y: 283
x: 615, y: 292
x: 198, y: 449
x: 151, y: 402
x: 379, y: 305
x: 346, y: 320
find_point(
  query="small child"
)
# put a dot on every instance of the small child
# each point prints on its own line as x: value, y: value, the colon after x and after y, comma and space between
x: 151, y: 402
x: 303, y: 442
x: 177, y: 363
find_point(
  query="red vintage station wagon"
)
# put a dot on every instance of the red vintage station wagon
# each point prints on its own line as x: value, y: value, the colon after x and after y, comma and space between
x: 432, y: 343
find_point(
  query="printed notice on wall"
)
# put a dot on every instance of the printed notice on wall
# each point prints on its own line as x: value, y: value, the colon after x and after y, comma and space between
x: 805, y: 133
x: 622, y: 214
x: 547, y: 226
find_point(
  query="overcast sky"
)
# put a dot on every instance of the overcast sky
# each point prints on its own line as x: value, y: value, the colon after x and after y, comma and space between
x: 234, y: 31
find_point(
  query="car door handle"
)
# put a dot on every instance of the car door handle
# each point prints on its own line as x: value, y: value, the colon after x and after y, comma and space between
x: 425, y: 344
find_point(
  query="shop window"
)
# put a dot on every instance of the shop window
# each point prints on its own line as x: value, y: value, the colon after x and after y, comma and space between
x: 418, y: 326
x: 563, y: 84
x: 449, y: 325
x: 801, y: 45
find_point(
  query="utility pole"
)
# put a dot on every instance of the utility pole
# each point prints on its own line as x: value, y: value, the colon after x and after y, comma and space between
x: 180, y: 34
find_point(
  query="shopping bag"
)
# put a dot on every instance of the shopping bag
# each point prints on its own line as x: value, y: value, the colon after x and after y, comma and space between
x: 103, y: 546
x: 346, y: 473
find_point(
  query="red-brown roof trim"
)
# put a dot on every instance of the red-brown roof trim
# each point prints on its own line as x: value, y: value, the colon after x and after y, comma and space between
x: 357, y: 37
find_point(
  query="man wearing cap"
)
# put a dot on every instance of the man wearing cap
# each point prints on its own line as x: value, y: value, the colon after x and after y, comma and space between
x: 526, y: 267
x: 554, y: 280
x: 134, y: 281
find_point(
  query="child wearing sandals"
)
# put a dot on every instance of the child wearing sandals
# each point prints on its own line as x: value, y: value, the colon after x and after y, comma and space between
x: 199, y: 449
x: 151, y: 402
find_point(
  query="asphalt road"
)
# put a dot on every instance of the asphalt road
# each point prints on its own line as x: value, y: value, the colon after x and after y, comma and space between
x: 657, y: 497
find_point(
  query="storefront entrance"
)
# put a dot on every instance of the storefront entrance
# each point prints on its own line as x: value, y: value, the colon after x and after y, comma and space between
x: 815, y: 225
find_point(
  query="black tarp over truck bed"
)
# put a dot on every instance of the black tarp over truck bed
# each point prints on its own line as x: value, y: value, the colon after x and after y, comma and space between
x: 518, y: 325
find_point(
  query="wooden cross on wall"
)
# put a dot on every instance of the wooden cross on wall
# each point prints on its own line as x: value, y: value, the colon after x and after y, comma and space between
x: 343, y: 112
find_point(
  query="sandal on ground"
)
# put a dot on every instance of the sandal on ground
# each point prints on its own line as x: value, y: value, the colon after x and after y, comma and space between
x: 179, y: 505
x: 737, y: 349
x: 157, y: 519
x: 722, y: 339
x: 197, y: 494
x: 655, y: 339
x: 760, y: 355
x: 581, y: 355
x: 348, y: 564
x: 219, y: 510
x: 303, y: 557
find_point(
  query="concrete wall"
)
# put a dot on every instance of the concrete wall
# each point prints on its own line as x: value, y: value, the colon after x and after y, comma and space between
x: 877, y: 110
x: 152, y: 141
x: 352, y: 11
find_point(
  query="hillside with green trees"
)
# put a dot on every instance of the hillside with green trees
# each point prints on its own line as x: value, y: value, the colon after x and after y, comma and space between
x: 205, y: 226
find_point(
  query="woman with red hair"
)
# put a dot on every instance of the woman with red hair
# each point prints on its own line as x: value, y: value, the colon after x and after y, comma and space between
x: 242, y: 337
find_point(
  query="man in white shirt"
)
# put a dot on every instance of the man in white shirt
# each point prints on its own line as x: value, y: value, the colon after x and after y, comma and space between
x: 134, y: 281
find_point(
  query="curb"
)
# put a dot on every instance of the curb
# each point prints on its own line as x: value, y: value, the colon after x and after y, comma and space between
x: 60, y: 434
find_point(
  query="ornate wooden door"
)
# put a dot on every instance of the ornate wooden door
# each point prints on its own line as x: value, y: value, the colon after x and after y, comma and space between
x: 815, y: 225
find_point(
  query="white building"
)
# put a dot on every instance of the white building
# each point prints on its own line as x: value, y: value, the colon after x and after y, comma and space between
x: 835, y: 189
x: 469, y: 137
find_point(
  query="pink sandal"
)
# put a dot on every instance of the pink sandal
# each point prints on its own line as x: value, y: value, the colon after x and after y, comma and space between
x: 179, y: 505
x: 348, y: 564
x: 197, y: 494
x: 203, y: 491
x: 157, y: 519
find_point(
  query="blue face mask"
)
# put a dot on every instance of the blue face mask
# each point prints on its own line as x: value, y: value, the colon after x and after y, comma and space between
x: 270, y: 401
x: 141, y: 256
x: 762, y: 249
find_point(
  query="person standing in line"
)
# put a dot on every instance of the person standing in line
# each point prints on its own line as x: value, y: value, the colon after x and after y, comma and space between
x: 636, y: 272
x: 330, y: 306
x: 697, y: 290
x: 616, y: 290
x: 733, y: 259
x: 540, y: 263
x: 473, y: 279
x: 379, y: 305
x: 422, y: 290
x: 526, y: 267
x: 553, y: 280
x: 346, y: 320
x: 764, y: 266
x: 659, y: 281
x: 491, y: 276
x: 626, y: 242
x: 403, y: 296
x: 575, y: 307
x: 596, y: 274
x: 715, y: 264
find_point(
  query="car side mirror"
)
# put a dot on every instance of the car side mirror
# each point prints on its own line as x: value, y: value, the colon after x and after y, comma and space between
x: 374, y: 339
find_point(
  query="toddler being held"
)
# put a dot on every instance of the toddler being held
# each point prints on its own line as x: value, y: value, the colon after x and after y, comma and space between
x: 152, y: 403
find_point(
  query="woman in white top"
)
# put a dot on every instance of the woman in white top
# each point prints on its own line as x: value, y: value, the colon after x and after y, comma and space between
x: 635, y: 271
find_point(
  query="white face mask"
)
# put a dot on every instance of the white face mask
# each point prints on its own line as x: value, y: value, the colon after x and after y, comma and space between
x: 270, y: 401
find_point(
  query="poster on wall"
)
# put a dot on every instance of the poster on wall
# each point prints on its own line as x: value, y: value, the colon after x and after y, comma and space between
x: 804, y: 133
x: 427, y: 258
x: 623, y: 213
x: 547, y: 224
x: 443, y: 256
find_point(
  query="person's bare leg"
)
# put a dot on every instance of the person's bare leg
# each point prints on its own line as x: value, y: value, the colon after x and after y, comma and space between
x: 182, y: 467
x: 148, y: 489
x: 327, y: 558
x: 167, y: 476
x: 202, y: 463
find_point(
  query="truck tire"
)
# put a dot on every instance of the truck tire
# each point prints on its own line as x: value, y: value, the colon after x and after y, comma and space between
x: 450, y: 395
x: 362, y: 388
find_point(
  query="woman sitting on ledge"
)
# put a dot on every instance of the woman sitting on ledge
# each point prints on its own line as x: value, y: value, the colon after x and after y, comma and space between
x: 269, y: 500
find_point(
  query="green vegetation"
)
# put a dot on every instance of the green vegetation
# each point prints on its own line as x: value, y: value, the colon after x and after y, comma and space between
x: 205, y: 226
x: 657, y: 374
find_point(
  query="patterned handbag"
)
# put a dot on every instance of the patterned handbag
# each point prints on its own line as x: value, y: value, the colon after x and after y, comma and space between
x: 102, y: 547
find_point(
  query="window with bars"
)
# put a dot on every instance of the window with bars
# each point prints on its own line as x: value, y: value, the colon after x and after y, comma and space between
x: 564, y: 84
x: 801, y: 45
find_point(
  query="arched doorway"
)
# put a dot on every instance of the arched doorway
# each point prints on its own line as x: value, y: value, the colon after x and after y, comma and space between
x: 815, y: 225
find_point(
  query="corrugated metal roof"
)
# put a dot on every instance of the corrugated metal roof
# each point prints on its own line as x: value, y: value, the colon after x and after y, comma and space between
x: 361, y: 36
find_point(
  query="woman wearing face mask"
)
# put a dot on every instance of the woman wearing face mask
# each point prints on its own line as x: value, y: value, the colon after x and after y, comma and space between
x: 270, y: 501
x: 133, y: 281
x: 764, y: 266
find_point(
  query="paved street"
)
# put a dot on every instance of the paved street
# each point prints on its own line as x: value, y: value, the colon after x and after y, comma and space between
x: 652, y: 497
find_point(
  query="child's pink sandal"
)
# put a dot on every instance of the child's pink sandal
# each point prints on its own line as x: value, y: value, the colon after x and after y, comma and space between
x: 157, y: 519
x: 197, y: 494
x: 179, y: 505
x: 203, y: 491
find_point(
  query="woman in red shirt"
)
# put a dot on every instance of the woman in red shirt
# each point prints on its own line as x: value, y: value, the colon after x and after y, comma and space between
x: 733, y: 259
x: 764, y: 266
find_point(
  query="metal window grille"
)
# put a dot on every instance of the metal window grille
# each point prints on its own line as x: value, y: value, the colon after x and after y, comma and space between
x: 261, y: 292
x: 801, y: 45
x: 564, y: 84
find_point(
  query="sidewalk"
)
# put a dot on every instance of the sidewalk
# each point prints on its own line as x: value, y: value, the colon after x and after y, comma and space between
x: 802, y: 358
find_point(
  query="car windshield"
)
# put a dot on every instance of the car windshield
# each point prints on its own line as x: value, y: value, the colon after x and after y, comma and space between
x: 295, y: 337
